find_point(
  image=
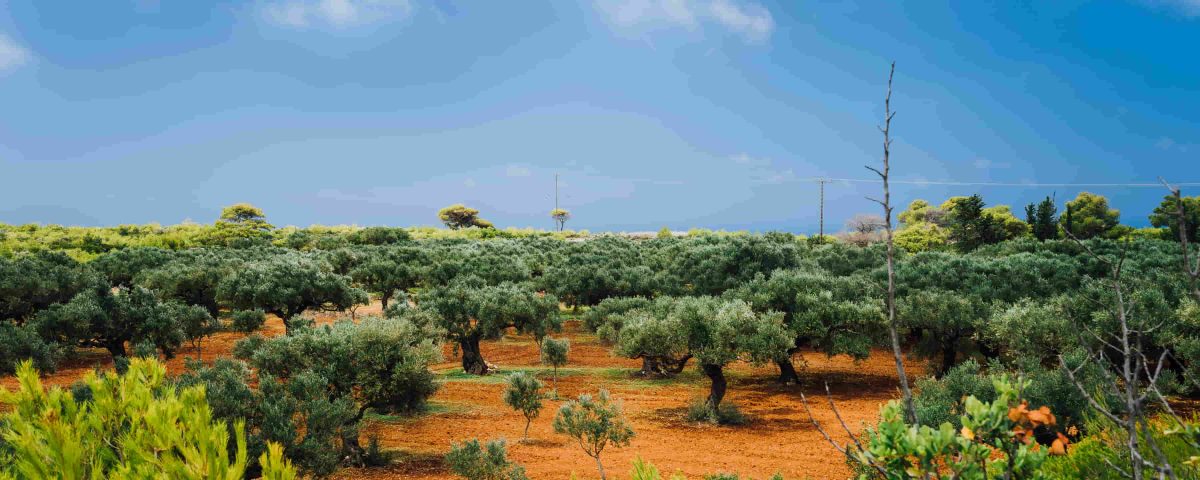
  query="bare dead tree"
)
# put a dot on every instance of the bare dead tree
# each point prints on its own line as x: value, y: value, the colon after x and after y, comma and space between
x: 1134, y: 378
x: 910, y: 411
x: 1190, y: 268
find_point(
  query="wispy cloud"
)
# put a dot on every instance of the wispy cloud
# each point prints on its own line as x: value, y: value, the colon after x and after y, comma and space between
x: 12, y: 55
x: 338, y: 14
x: 749, y: 20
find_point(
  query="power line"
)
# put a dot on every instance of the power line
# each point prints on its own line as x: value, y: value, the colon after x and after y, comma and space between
x: 822, y: 181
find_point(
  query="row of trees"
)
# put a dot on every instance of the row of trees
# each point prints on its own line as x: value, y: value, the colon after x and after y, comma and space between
x: 966, y: 223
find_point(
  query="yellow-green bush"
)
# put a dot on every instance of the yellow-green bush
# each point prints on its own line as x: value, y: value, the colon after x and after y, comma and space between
x: 133, y: 426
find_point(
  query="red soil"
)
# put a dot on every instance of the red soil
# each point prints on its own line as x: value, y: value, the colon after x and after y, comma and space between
x: 779, y: 437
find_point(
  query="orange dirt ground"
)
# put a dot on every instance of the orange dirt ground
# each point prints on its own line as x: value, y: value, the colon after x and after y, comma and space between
x: 779, y: 437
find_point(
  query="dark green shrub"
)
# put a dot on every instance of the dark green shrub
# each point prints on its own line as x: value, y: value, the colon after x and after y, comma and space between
x: 471, y: 461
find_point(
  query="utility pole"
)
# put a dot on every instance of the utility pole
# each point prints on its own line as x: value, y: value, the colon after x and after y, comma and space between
x: 822, y: 182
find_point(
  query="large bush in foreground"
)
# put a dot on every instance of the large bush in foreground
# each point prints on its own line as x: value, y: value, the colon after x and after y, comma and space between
x: 315, y: 386
x: 133, y: 426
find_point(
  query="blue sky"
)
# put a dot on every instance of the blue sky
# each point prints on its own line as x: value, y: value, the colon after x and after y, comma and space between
x: 679, y: 113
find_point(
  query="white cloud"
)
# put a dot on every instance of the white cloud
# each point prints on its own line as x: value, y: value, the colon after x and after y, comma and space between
x: 11, y: 54
x: 469, y: 183
x: 751, y: 21
x: 333, y: 13
x: 517, y: 171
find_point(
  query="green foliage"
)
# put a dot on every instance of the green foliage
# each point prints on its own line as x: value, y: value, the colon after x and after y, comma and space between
x: 643, y: 470
x: 379, y: 236
x: 595, y: 423
x: 523, y: 393
x: 121, y: 267
x: 471, y: 461
x: 112, y: 318
x: 1043, y: 219
x: 315, y: 386
x: 288, y: 286
x: 970, y: 227
x: 665, y: 232
x: 989, y: 445
x: 701, y: 410
x: 134, y: 426
x: 1166, y: 214
x: 247, y: 321
x: 943, y: 322
x: 391, y: 271
x: 1088, y: 216
x: 712, y: 331
x: 560, y: 217
x: 1093, y: 456
x: 468, y: 311
x: 554, y: 353
x: 921, y: 237
x: 942, y: 400
x: 459, y: 216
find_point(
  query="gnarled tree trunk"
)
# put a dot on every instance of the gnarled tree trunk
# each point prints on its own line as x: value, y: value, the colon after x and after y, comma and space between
x: 472, y: 359
x: 716, y: 392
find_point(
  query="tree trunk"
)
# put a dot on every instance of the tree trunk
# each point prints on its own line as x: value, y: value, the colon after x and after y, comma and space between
x: 716, y: 391
x: 383, y: 300
x: 787, y: 371
x: 354, y: 454
x: 472, y: 359
x: 649, y: 365
x: 525, y: 436
x: 600, y: 466
x: 287, y: 324
x: 949, y: 354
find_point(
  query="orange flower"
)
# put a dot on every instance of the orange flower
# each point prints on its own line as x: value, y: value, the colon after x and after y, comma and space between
x: 1041, y: 416
x: 1059, y: 447
x: 967, y: 433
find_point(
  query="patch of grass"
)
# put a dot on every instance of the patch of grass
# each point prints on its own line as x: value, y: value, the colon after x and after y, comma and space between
x: 727, y: 414
x: 433, y: 407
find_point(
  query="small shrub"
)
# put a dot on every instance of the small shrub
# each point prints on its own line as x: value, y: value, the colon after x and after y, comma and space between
x: 247, y: 320
x: 524, y: 394
x: 554, y: 353
x: 471, y: 461
x: 700, y: 410
x: 595, y: 422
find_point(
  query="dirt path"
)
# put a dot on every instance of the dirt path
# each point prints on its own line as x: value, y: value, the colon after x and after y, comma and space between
x: 779, y: 437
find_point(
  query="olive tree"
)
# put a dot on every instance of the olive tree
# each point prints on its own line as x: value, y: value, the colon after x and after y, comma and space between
x: 315, y: 386
x: 713, y: 331
x: 946, y: 322
x: 193, y: 279
x: 287, y: 286
x: 554, y: 353
x: 594, y: 422
x: 469, y: 311
x: 825, y: 312
x: 388, y: 272
x: 110, y: 319
x: 120, y: 267
x: 523, y: 393
x: 32, y: 282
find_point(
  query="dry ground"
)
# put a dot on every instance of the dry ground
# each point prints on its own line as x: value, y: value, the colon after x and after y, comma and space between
x: 779, y: 437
